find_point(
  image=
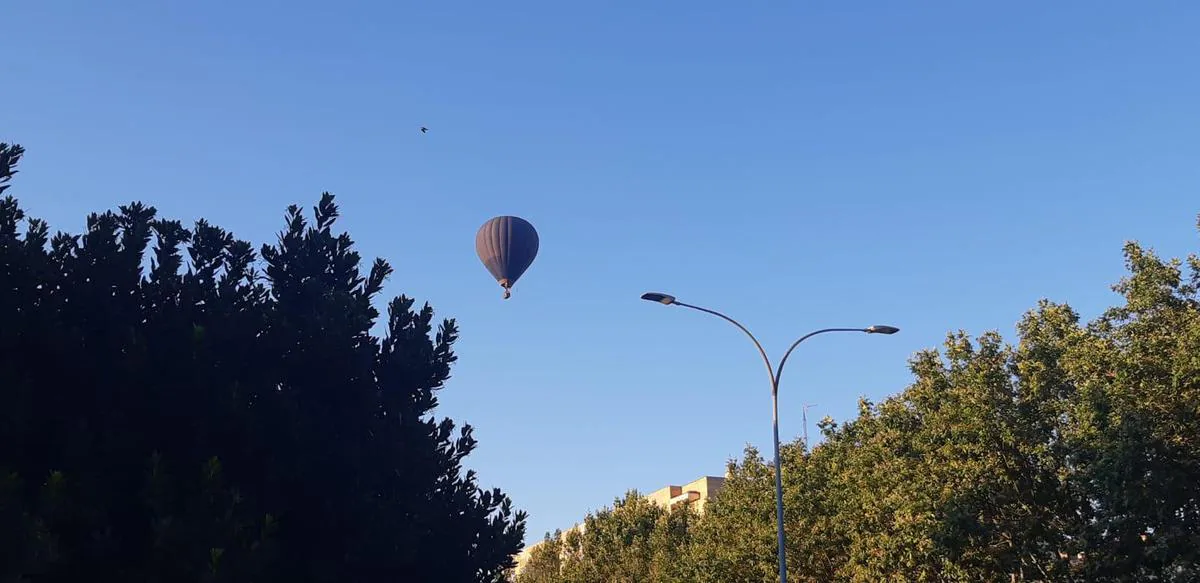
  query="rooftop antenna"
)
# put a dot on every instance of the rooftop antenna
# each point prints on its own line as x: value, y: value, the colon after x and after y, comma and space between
x: 804, y: 417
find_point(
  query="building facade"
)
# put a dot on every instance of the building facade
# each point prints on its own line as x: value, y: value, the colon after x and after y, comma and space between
x: 695, y: 493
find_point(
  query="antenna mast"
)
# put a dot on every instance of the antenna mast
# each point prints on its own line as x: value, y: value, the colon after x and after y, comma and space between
x: 804, y: 417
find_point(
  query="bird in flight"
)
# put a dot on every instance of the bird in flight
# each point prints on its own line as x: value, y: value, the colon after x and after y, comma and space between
x: 424, y: 129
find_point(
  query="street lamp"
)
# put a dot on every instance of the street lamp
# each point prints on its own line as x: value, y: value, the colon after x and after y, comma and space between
x: 774, y: 375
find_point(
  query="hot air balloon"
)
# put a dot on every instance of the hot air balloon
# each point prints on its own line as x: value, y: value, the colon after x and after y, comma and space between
x: 506, y: 245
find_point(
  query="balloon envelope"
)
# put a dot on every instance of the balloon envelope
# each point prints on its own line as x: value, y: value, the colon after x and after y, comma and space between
x: 506, y: 245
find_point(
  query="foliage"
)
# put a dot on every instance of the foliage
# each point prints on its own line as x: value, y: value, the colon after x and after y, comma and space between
x: 633, y: 541
x: 735, y: 539
x: 545, y: 561
x: 1071, y: 455
x: 1136, y: 424
x: 227, y: 415
x: 215, y: 416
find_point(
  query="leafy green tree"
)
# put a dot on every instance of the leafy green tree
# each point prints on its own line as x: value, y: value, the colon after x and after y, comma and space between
x: 1135, y: 425
x: 1069, y: 456
x: 614, y: 544
x: 225, y: 415
x: 735, y: 538
x: 545, y: 561
x: 955, y: 479
x: 633, y: 541
x: 670, y: 546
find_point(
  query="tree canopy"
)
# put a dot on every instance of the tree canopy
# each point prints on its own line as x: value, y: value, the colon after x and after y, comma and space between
x: 631, y: 542
x: 176, y: 407
x: 1071, y: 454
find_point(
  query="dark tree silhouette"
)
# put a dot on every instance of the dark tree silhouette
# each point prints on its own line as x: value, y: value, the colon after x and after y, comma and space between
x: 174, y: 408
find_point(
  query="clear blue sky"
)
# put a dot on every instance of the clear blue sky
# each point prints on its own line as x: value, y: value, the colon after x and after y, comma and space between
x: 935, y: 165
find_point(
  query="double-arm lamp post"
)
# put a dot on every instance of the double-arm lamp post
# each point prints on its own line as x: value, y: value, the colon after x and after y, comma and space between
x: 774, y: 375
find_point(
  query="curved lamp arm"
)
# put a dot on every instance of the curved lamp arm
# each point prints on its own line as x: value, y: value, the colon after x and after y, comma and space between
x: 761, y: 351
x: 775, y: 374
x: 669, y: 300
x: 782, y: 361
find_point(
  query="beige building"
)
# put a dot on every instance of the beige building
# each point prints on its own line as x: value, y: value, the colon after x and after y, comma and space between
x: 696, y: 494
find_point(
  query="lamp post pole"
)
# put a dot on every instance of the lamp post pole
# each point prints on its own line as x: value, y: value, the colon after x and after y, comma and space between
x: 773, y: 374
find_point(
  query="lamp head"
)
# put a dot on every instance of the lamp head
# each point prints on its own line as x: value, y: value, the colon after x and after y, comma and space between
x: 660, y: 298
x: 882, y: 330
